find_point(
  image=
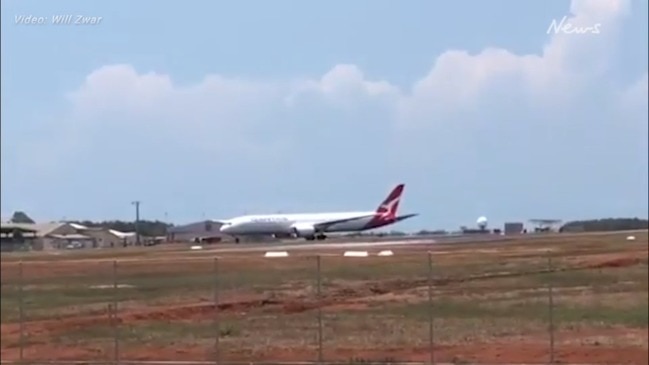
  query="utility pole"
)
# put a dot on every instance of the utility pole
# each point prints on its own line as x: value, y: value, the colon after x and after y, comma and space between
x: 137, y: 221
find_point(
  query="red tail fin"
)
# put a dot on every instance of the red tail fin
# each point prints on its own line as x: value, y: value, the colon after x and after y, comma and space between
x: 388, y: 209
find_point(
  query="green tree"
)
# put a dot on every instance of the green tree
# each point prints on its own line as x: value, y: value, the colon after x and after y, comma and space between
x: 606, y: 224
x: 21, y: 217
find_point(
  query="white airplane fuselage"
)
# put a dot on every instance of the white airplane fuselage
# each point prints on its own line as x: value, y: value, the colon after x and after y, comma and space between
x: 286, y: 223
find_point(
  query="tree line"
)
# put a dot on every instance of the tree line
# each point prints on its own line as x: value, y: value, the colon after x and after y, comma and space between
x: 147, y: 228
x: 604, y: 225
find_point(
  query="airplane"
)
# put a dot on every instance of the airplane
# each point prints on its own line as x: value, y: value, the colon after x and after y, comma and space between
x: 312, y: 226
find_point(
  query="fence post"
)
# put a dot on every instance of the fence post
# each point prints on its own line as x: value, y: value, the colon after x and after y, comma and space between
x: 21, y: 314
x: 319, y: 299
x: 431, y: 318
x: 551, y: 308
x: 217, y: 327
x: 115, y: 319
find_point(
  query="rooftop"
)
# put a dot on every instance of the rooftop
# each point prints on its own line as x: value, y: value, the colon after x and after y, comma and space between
x: 41, y: 229
x: 73, y: 236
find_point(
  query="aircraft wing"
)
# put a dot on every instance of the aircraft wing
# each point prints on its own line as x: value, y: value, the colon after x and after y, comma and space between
x: 321, y: 225
x: 402, y: 217
x: 219, y: 223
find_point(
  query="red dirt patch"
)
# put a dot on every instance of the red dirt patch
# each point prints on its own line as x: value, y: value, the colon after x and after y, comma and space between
x: 469, y: 353
x: 619, y: 262
x: 183, y: 312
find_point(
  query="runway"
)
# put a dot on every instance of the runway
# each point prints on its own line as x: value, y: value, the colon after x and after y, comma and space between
x: 340, y: 244
x: 321, y: 246
x: 346, y: 242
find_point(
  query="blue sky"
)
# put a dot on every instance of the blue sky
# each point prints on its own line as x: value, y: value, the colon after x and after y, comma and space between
x: 214, y: 109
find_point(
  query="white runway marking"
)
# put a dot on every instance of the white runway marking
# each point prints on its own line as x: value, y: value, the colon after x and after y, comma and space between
x: 321, y: 246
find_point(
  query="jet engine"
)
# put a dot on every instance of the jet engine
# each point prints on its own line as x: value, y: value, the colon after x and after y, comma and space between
x: 303, y: 230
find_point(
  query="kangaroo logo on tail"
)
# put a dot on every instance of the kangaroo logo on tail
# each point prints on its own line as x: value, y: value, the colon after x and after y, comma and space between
x: 388, y: 209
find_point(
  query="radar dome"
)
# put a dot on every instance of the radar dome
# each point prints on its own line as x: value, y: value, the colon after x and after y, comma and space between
x: 482, y: 222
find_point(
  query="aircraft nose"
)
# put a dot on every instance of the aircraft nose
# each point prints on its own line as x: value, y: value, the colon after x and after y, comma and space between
x: 224, y: 228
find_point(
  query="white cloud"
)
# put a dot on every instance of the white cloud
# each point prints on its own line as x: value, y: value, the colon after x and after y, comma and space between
x: 457, y: 81
x: 214, y: 114
x: 343, y: 85
x: 120, y: 88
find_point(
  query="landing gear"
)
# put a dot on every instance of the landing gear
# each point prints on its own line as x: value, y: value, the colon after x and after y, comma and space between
x: 318, y: 237
x: 236, y: 240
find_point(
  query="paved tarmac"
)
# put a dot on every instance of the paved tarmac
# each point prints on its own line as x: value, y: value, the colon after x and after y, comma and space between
x: 301, y: 245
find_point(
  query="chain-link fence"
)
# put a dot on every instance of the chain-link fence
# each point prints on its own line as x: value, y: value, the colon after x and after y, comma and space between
x: 419, y: 308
